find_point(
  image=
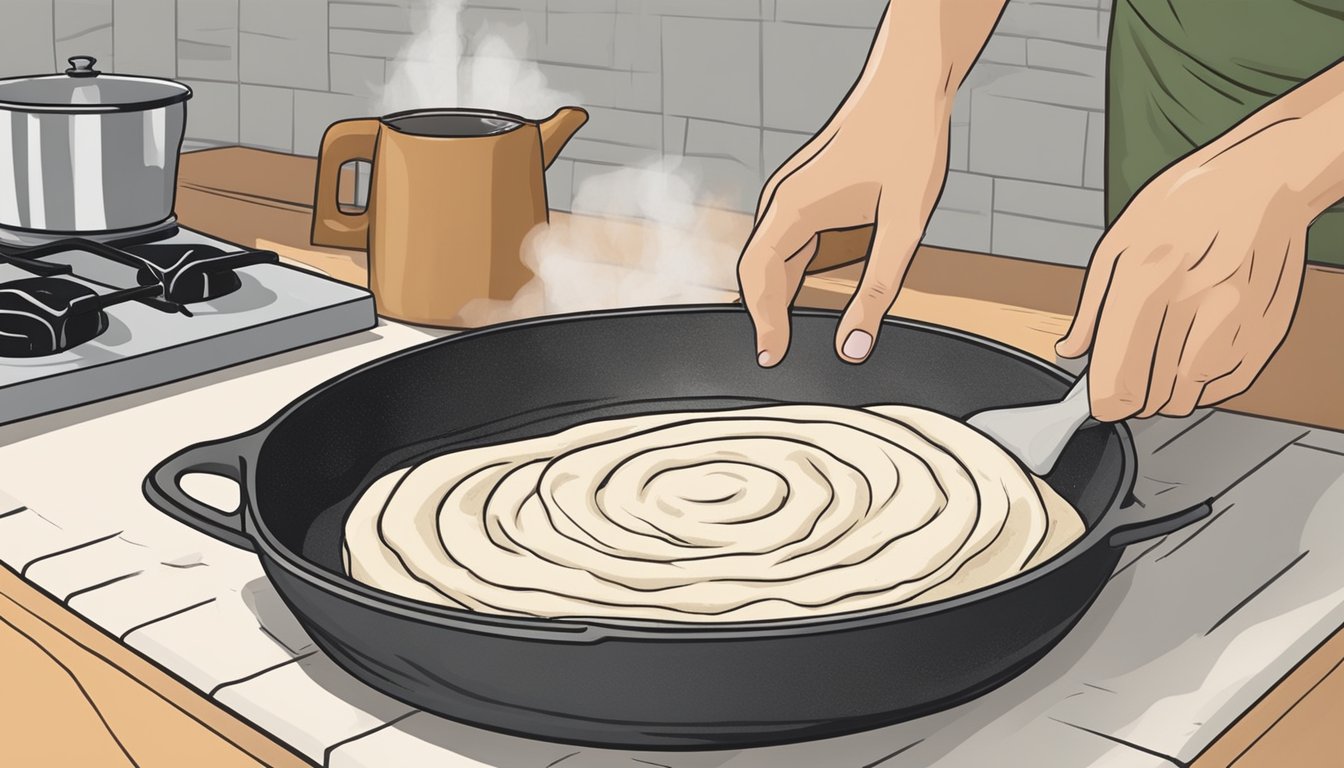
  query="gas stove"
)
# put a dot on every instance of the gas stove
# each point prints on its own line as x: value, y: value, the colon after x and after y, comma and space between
x: 82, y: 320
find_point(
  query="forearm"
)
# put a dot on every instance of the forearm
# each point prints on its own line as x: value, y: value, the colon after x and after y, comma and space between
x: 923, y: 50
x: 1299, y: 137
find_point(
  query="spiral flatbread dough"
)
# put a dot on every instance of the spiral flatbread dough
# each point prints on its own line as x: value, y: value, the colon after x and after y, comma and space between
x: 758, y: 513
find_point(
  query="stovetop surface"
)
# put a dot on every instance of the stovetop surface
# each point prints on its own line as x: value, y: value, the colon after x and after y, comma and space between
x: 276, y: 308
x: 269, y: 292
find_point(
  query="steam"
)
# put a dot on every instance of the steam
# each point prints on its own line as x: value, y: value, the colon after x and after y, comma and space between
x: 440, y: 68
x: 650, y: 234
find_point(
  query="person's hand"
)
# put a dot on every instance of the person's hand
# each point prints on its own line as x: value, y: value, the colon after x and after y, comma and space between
x: 1193, y: 289
x: 877, y: 167
x: 879, y: 161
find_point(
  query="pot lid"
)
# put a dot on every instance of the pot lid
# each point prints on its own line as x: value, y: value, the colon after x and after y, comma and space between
x: 84, y: 89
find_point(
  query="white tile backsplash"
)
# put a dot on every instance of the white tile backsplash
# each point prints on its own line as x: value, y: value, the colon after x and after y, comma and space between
x: 273, y: 74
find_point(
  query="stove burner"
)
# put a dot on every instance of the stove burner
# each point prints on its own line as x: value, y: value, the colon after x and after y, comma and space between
x: 45, y: 315
x: 185, y: 273
x: 54, y: 311
x: 192, y: 273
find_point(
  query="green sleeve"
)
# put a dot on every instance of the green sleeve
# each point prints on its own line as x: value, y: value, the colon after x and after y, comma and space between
x: 1181, y: 72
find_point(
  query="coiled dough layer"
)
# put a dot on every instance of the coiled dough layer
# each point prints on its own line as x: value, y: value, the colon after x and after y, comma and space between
x: 758, y: 513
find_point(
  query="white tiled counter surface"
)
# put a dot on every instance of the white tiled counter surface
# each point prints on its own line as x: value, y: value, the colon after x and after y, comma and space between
x: 1188, y: 634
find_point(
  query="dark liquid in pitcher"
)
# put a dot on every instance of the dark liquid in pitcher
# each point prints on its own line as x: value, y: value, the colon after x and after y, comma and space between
x: 451, y: 124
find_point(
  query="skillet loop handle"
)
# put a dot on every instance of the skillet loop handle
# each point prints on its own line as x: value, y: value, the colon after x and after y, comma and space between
x: 163, y: 489
x: 1124, y: 534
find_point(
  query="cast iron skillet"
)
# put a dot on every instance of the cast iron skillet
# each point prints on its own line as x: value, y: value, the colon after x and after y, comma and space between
x: 640, y: 683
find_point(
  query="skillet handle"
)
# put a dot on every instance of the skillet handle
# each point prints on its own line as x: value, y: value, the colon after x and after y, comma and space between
x: 1122, y: 534
x: 163, y: 488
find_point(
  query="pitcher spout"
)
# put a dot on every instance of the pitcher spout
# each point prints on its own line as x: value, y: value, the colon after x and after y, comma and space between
x: 558, y: 129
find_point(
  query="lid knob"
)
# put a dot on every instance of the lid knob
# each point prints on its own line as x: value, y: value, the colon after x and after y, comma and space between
x: 82, y: 66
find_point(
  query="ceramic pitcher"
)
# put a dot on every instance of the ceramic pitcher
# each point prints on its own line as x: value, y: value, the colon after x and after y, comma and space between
x: 453, y: 194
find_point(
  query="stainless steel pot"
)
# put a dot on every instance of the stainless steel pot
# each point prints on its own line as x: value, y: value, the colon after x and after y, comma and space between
x: 86, y: 153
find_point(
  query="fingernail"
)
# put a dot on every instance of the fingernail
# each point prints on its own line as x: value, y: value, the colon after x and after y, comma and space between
x: 857, y: 344
x: 765, y: 359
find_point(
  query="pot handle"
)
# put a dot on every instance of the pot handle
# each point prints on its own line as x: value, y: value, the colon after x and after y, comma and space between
x: 163, y: 489
x: 1126, y: 531
x: 344, y: 141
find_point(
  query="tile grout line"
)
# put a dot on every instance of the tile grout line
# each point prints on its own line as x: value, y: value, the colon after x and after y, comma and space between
x: 23, y: 572
x: 1125, y: 743
x: 1283, y: 449
x: 1184, y: 431
x: 1247, y: 600
x: 1299, y: 444
x: 122, y: 637
x: 99, y: 585
x: 326, y: 753
x: 213, y: 693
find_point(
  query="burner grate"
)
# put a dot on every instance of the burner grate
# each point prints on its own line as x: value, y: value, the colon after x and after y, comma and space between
x: 61, y: 307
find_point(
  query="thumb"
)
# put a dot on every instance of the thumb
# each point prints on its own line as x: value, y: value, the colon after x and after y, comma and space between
x: 1084, y: 327
x: 888, y: 259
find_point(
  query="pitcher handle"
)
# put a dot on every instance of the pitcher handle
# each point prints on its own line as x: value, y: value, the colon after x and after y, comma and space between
x: 343, y: 142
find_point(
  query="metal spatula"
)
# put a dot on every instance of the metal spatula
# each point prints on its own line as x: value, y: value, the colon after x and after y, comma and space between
x: 1036, y: 434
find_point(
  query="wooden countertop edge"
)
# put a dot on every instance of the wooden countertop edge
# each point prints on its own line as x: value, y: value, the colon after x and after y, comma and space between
x: 1305, y: 704
x: 112, y: 677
